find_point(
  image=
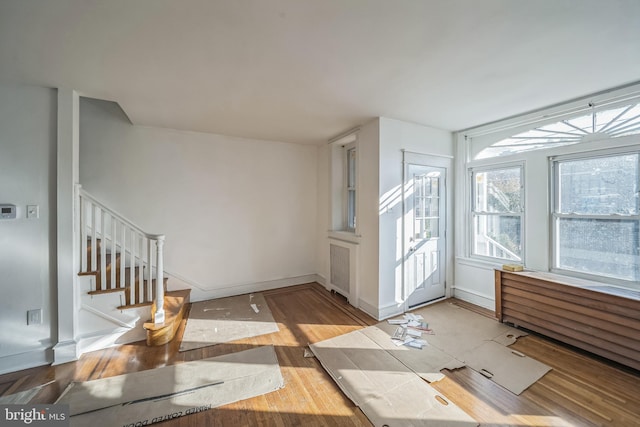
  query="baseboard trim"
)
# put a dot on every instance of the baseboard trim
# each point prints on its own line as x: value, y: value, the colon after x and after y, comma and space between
x: 320, y: 279
x: 390, y: 310
x: 66, y: 351
x: 475, y: 297
x: 198, y: 293
x: 26, y: 360
x: 107, y: 339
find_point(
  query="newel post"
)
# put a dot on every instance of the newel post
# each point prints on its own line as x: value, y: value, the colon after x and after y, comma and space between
x: 158, y: 316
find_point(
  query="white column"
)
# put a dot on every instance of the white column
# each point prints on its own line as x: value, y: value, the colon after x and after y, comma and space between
x: 68, y: 166
x: 158, y: 317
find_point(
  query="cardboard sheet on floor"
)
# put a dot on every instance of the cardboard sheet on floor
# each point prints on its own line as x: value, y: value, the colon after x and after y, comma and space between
x: 467, y: 339
x: 386, y: 390
x: 22, y: 397
x: 458, y: 330
x: 227, y: 319
x: 426, y: 362
x: 156, y: 395
x: 509, y: 368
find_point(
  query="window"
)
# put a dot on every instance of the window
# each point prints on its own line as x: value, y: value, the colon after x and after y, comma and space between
x: 497, y: 211
x: 343, y: 182
x: 350, y: 187
x: 602, y: 122
x: 596, y: 216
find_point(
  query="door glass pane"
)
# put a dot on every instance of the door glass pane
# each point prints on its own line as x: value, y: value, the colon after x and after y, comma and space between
x: 599, y: 186
x: 426, y: 209
x: 606, y: 247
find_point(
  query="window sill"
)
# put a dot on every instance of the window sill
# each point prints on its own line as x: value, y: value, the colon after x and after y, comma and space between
x: 345, y: 236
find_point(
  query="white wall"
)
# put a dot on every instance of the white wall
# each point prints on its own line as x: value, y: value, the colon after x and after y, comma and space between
x: 324, y: 213
x: 27, y: 246
x: 474, y: 278
x: 368, y: 155
x: 396, y: 135
x: 238, y: 214
x: 378, y: 234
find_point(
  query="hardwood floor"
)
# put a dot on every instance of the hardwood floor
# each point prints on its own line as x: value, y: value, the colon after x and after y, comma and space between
x: 581, y: 390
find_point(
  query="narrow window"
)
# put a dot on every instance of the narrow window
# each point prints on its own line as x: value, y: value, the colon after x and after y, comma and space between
x: 497, y: 211
x: 350, y: 185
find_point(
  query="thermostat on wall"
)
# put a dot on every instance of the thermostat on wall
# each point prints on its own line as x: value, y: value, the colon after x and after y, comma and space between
x: 7, y: 211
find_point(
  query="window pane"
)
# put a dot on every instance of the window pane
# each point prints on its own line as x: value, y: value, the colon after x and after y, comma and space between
x: 351, y: 168
x: 599, y: 186
x: 497, y: 236
x: 498, y: 191
x: 599, y: 246
x: 351, y: 209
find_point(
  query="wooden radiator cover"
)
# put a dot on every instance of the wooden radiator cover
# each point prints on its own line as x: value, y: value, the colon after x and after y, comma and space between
x: 567, y: 309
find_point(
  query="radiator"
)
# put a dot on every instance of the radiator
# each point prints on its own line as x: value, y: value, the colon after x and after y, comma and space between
x: 591, y: 316
x: 340, y: 271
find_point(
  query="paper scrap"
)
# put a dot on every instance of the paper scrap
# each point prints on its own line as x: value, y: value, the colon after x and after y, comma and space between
x: 415, y: 344
x: 414, y: 333
x: 255, y: 308
x: 396, y: 321
x: 411, y: 316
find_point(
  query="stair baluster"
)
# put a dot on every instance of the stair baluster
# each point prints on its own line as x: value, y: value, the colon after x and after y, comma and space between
x: 120, y: 255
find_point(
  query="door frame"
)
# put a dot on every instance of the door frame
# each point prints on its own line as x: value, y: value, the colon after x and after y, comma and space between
x: 440, y: 161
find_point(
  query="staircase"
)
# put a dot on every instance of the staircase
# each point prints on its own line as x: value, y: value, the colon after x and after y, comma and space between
x: 120, y: 259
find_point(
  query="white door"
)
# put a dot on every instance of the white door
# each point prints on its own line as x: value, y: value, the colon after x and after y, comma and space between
x: 424, y: 229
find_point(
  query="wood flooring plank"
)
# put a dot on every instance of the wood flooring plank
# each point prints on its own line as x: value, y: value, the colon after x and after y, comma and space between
x: 581, y: 390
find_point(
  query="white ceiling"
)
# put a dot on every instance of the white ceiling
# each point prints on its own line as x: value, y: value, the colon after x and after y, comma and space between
x: 305, y: 70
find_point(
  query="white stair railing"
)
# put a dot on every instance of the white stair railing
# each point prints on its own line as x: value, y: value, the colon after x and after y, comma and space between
x: 134, y: 257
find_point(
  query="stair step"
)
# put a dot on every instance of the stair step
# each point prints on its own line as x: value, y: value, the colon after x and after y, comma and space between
x: 140, y: 304
x: 126, y: 290
x: 109, y: 286
x: 175, y: 308
x: 107, y: 291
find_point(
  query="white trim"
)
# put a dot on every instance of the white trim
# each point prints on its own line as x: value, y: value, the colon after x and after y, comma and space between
x: 478, y: 263
x: 421, y: 156
x: 381, y: 313
x: 346, y: 137
x: 25, y: 360
x: 111, y: 338
x: 445, y: 163
x: 558, y: 111
x: 107, y: 317
x: 472, y: 211
x: 200, y: 292
x: 66, y: 351
x: 68, y: 242
x: 354, y: 278
x: 391, y: 310
x: 484, y: 136
x: 344, y: 236
x: 368, y: 308
x: 555, y: 216
x: 321, y: 280
x: 475, y: 297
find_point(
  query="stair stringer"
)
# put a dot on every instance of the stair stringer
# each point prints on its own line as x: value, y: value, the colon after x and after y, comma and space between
x: 102, y: 325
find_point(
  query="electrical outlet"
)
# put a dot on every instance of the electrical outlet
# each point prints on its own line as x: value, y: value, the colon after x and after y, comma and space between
x: 33, y: 211
x: 34, y: 317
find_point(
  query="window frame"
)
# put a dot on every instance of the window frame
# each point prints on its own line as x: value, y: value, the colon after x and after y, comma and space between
x: 350, y: 186
x: 474, y: 213
x: 555, y: 215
